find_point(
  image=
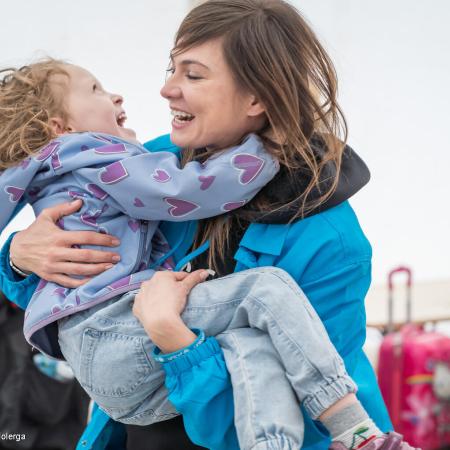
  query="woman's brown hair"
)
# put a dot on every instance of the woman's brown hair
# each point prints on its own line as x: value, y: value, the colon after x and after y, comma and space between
x: 274, y: 54
x: 28, y: 100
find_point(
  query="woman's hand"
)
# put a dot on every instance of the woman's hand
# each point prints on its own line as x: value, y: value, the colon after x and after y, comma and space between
x: 46, y: 250
x: 159, y: 305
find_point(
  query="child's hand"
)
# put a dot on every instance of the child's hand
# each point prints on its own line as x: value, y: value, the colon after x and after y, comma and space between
x: 159, y: 305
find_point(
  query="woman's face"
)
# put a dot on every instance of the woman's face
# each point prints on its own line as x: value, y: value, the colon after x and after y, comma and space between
x: 208, y: 108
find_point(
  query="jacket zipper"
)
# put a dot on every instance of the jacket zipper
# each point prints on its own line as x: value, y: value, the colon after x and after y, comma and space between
x: 143, y: 230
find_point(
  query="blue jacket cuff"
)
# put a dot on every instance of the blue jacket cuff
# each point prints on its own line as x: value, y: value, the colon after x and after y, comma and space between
x: 166, y: 357
x: 10, y: 282
x: 209, y: 348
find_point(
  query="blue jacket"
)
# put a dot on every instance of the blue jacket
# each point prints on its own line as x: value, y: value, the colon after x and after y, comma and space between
x: 329, y: 257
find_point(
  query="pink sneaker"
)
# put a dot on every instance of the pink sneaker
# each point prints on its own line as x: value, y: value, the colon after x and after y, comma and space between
x: 389, y: 441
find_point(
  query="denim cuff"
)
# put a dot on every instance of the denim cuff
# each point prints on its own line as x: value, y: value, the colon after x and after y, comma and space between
x: 209, y: 349
x: 167, y: 357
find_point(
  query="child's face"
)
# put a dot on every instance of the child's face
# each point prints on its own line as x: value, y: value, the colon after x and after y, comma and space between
x: 91, y: 108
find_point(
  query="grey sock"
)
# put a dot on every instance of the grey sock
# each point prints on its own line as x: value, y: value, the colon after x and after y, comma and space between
x: 345, y: 419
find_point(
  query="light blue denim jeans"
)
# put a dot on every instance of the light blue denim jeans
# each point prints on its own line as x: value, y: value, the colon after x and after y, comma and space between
x: 276, y: 349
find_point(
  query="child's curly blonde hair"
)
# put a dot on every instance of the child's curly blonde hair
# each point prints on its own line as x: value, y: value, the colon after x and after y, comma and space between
x: 28, y: 99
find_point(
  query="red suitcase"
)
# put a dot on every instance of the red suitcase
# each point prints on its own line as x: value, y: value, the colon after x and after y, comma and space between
x: 414, y: 378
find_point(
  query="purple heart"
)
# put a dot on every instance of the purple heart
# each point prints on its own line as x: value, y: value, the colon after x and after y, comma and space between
x: 60, y: 292
x: 56, y: 309
x: 206, y: 181
x: 89, y: 219
x: 111, y: 149
x: 180, y: 208
x: 138, y: 203
x: 120, y: 283
x: 249, y: 165
x: 96, y: 191
x: 75, y: 194
x: 47, y: 151
x: 113, y: 173
x: 161, y: 176
x: 25, y: 163
x: 56, y: 163
x: 83, y: 148
x: 134, y: 225
x: 233, y: 205
x: 40, y: 286
x: 15, y: 193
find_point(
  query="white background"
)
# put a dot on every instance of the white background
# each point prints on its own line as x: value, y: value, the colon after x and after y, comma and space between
x: 393, y: 62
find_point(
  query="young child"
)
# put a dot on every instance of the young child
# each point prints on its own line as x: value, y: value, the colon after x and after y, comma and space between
x: 63, y: 137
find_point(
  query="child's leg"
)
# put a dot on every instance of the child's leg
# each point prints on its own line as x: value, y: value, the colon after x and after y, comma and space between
x: 267, y: 413
x: 110, y: 354
x: 268, y: 299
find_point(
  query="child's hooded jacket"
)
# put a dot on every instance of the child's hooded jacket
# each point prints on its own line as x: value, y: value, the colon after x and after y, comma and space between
x: 126, y: 191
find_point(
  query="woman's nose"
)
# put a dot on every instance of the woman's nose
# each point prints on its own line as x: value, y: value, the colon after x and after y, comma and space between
x: 170, y: 90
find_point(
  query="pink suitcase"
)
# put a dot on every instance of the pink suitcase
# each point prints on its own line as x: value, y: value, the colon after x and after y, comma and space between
x: 414, y: 378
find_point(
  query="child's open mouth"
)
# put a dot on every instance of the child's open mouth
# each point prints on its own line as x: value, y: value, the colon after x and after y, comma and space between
x: 121, y: 118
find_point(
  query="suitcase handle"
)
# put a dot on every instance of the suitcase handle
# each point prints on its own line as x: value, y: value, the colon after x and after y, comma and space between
x: 391, y: 274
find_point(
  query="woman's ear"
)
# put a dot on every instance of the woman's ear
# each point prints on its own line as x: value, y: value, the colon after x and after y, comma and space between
x: 255, y: 107
x: 57, y: 125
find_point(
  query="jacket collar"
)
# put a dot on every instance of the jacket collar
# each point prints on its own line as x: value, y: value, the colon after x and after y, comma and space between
x: 265, y: 238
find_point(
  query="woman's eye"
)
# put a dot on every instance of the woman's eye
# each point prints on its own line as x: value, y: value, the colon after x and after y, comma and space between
x: 193, y: 77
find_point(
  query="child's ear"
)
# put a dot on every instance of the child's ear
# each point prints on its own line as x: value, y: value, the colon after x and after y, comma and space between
x: 255, y: 107
x: 57, y: 125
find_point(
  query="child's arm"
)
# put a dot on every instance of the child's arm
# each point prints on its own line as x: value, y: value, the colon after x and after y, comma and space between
x: 152, y: 186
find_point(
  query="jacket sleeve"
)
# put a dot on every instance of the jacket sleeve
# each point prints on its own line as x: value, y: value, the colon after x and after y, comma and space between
x: 200, y: 389
x: 16, y: 289
x: 152, y: 186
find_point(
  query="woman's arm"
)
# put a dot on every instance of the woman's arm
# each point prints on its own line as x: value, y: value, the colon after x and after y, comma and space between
x: 196, y: 375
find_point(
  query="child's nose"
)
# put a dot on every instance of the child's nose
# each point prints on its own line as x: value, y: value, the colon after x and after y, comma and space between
x: 117, y: 99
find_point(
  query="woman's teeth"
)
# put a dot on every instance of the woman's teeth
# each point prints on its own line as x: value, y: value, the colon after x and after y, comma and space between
x: 181, y: 116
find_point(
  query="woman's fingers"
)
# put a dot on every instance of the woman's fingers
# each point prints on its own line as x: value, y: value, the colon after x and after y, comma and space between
x: 70, y: 238
x: 85, y: 270
x: 55, y: 213
x: 194, y: 278
x: 84, y: 255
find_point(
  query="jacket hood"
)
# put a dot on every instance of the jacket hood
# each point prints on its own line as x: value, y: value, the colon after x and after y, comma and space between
x: 286, y: 187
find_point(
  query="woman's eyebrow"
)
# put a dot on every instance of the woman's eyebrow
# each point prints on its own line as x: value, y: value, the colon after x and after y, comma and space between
x: 187, y: 62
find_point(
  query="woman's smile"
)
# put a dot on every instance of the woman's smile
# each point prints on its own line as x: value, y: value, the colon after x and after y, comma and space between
x: 181, y: 119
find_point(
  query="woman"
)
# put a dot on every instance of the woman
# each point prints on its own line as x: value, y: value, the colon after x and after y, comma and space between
x: 300, y: 222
